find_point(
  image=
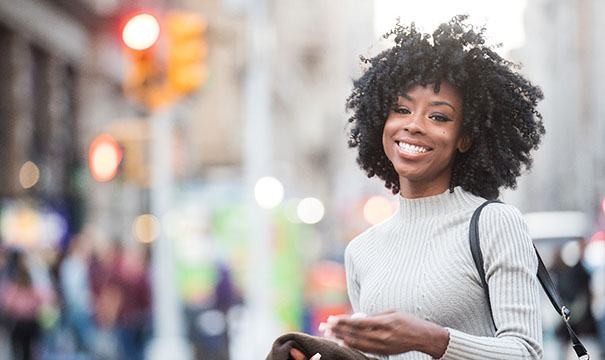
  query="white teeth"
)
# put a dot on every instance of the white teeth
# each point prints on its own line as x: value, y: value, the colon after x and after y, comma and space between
x: 412, y: 148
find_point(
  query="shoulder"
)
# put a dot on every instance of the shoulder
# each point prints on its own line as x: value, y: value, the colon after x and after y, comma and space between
x: 502, y: 216
x: 504, y: 234
x: 369, y: 240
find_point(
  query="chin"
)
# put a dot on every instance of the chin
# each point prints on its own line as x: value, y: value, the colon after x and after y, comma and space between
x: 409, y: 174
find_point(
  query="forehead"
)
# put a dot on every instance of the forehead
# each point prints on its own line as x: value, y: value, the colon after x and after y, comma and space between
x: 445, y: 92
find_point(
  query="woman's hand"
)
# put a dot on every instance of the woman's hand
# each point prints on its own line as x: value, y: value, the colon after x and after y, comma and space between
x: 298, y: 355
x: 390, y: 333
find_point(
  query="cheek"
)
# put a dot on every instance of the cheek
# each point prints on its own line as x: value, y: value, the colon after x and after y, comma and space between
x: 386, y: 147
x: 386, y: 139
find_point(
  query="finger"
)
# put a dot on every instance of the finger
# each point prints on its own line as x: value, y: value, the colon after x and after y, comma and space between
x: 385, y: 313
x: 324, y: 326
x: 333, y: 319
x: 316, y: 356
x: 363, y: 343
x: 371, y: 322
x: 359, y: 315
x: 297, y: 354
x: 343, y: 332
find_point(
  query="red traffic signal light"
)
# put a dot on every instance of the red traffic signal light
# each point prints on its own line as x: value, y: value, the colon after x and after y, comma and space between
x: 104, y: 157
x: 141, y: 32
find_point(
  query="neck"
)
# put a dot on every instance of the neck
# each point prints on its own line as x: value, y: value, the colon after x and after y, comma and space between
x: 437, y: 205
x: 414, y: 190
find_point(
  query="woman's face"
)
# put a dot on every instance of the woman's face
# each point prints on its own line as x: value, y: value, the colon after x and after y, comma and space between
x: 421, y: 136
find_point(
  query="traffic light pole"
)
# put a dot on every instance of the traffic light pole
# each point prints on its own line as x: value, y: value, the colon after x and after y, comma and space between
x: 259, y: 323
x: 169, y: 341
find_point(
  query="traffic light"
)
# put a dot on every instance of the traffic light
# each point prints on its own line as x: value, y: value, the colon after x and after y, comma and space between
x: 140, y: 34
x: 187, y: 52
x: 104, y: 157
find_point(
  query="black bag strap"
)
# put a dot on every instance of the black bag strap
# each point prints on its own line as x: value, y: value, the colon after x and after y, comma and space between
x: 543, y: 277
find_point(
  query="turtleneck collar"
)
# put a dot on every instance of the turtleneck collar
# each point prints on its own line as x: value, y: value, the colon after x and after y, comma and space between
x: 440, y: 204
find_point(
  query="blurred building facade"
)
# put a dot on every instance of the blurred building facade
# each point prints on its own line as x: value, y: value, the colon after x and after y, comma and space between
x: 50, y: 65
x: 564, y: 56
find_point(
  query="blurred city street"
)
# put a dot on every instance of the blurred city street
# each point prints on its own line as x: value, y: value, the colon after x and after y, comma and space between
x: 176, y: 181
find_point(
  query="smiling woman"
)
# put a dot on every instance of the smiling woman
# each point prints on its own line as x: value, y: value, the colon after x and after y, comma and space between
x: 445, y: 122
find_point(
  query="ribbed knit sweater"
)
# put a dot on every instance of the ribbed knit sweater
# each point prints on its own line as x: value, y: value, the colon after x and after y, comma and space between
x: 419, y: 262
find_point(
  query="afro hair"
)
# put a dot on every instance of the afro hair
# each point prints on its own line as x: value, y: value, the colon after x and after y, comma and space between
x: 499, y: 114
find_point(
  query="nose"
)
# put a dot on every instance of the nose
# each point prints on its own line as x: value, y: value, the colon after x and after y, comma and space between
x: 415, y: 124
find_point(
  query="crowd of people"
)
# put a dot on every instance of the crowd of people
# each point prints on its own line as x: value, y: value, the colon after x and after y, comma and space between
x: 84, y: 302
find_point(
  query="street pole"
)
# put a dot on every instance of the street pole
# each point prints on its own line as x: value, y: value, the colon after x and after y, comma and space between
x: 169, y: 341
x: 258, y: 325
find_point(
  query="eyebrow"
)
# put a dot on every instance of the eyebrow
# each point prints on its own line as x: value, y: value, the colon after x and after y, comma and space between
x: 433, y: 103
x: 437, y: 103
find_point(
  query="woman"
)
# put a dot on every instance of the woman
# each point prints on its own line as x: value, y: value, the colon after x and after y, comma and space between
x: 445, y: 122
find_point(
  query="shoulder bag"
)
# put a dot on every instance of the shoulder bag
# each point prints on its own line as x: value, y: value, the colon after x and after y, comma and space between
x: 543, y: 277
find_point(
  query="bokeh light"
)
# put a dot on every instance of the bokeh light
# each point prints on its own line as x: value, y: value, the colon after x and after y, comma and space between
x: 141, y: 32
x: 29, y: 174
x: 212, y: 322
x: 599, y: 235
x: 268, y: 192
x: 104, y: 158
x: 377, y: 209
x: 571, y: 253
x: 594, y: 254
x: 146, y: 228
x: 310, y: 210
x: 20, y: 226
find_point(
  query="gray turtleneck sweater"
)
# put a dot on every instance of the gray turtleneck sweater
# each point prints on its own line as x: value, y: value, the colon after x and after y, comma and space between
x: 419, y: 262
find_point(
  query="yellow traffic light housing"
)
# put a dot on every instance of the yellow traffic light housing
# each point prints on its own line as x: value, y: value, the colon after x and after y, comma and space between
x: 187, y: 52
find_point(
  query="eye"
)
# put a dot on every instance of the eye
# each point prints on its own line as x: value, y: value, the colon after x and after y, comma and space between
x: 440, y: 117
x: 400, y: 110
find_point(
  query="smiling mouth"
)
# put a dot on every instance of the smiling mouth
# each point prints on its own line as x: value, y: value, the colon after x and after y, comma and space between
x: 412, y: 149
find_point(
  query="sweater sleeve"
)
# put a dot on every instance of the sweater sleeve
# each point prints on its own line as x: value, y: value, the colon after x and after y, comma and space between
x: 510, y: 268
x: 352, y: 283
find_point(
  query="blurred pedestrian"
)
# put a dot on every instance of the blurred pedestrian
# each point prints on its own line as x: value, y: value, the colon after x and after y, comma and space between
x: 4, y: 323
x: 213, y: 322
x: 573, y: 284
x: 77, y: 293
x: 131, y: 279
x: 597, y: 287
x: 106, y: 297
x: 22, y: 303
x: 446, y: 123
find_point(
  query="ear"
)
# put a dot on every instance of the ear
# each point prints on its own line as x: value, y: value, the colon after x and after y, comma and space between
x: 465, y: 143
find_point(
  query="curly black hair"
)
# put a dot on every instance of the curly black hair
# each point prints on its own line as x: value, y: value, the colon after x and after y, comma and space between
x: 499, y: 114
